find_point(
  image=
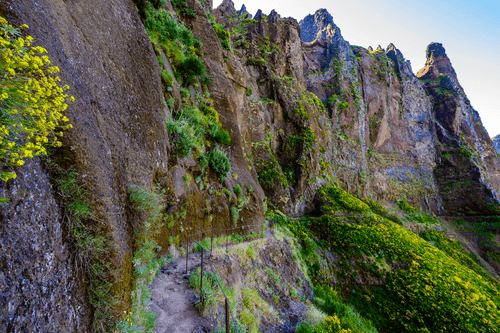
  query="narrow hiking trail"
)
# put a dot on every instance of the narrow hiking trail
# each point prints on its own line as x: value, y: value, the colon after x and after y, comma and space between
x: 173, y: 299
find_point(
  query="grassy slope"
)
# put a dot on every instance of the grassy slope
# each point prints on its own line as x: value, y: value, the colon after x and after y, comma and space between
x: 400, y: 281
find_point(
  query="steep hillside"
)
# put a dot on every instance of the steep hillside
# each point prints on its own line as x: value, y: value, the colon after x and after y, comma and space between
x: 189, y: 119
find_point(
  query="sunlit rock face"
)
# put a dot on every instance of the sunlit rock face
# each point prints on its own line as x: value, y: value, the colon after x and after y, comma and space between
x: 496, y: 142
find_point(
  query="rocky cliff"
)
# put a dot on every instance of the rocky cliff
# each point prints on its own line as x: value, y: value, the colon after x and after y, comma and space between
x: 301, y: 108
x: 496, y: 142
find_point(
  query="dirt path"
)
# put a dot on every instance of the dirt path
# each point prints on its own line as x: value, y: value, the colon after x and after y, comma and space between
x: 173, y: 299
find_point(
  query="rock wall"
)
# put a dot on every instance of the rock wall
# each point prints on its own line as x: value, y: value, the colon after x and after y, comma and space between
x: 468, y: 171
x: 496, y: 142
x: 118, y: 139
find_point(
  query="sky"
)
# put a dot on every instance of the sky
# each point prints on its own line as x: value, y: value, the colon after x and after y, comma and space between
x: 468, y: 30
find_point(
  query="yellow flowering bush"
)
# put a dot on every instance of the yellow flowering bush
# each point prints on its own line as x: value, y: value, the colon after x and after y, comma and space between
x: 31, y: 100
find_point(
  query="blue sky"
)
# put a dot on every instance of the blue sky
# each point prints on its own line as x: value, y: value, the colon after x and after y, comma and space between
x: 469, y: 31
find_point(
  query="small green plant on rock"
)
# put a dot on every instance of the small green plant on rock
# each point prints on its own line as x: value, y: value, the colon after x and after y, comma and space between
x: 220, y: 163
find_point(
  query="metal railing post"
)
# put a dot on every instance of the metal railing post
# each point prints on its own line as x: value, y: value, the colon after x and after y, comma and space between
x: 187, y: 256
x: 227, y: 316
x: 201, y: 278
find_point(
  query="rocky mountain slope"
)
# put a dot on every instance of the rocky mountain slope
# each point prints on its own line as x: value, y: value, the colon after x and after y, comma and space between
x: 223, y: 114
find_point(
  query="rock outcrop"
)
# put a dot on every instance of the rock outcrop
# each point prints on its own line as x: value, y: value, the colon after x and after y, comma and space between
x: 496, y: 142
x: 319, y: 26
x: 463, y: 144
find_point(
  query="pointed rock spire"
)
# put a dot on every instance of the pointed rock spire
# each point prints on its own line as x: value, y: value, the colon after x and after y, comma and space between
x: 437, y: 64
x: 370, y: 48
x: 243, y: 12
x: 258, y: 15
x: 318, y: 26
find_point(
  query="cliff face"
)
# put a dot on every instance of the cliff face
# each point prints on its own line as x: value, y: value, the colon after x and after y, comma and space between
x: 303, y: 108
x: 118, y: 139
x: 466, y: 151
x: 496, y: 142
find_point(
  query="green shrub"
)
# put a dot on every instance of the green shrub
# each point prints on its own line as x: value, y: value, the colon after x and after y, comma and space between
x: 256, y: 62
x: 375, y: 206
x: 182, y: 137
x: 337, y: 200
x: 178, y: 43
x: 189, y: 69
x: 343, y: 105
x: 331, y: 100
x: 157, y: 3
x: 407, y: 208
x: 224, y: 36
x: 183, y: 10
x: 167, y: 77
x: 235, y: 215
x: 220, y: 163
x: 394, y: 218
x: 222, y: 136
x: 237, y: 190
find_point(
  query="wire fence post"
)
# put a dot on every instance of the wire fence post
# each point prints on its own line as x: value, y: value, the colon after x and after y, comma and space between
x: 201, y: 276
x: 227, y: 315
x: 187, y: 257
x: 212, y: 243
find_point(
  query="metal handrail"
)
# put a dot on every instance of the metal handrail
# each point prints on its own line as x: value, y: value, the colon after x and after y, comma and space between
x: 220, y: 286
x: 228, y: 307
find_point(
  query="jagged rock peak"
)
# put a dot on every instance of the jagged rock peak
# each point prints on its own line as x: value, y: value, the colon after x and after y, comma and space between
x: 318, y: 26
x: 243, y: 11
x: 437, y: 64
x: 225, y: 11
x: 435, y: 49
x: 379, y: 48
x: 496, y: 142
x: 370, y: 48
x: 258, y: 15
x: 274, y: 16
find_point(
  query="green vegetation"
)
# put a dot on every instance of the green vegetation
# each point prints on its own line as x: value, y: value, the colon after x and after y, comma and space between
x: 183, y: 136
x: 183, y: 10
x: 415, y: 215
x: 176, y: 41
x: 149, y: 206
x: 256, y: 62
x: 224, y: 36
x: 237, y: 190
x: 90, y: 248
x: 337, y: 200
x: 424, y: 289
x: 220, y: 163
x: 341, y: 318
x: 32, y: 100
x: 375, y: 207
